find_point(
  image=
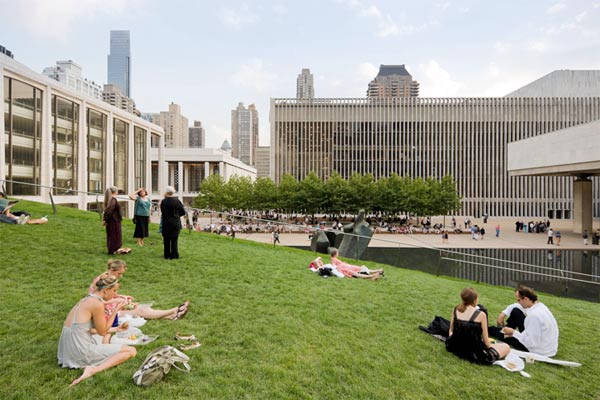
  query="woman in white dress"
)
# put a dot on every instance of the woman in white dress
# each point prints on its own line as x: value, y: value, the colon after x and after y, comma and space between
x: 77, y: 347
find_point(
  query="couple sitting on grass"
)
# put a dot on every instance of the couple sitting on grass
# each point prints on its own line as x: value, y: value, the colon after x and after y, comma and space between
x: 342, y: 269
x: 98, y: 313
x: 469, y: 333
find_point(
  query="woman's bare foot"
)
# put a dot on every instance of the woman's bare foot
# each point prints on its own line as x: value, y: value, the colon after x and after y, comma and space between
x: 87, y: 372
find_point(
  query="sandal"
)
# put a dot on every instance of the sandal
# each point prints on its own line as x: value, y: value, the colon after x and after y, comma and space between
x: 190, y: 346
x: 191, y: 338
x: 182, y: 310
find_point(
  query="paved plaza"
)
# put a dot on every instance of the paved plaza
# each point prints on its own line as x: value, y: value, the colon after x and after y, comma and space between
x: 508, y: 238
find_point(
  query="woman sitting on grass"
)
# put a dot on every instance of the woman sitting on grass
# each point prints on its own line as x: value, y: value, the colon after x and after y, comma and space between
x: 468, y: 337
x: 117, y: 268
x: 353, y: 271
x: 77, y: 347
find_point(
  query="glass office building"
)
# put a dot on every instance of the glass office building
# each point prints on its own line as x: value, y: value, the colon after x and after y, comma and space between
x: 119, y: 61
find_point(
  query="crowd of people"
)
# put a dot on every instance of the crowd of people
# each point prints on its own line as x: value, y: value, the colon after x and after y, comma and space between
x: 98, y: 314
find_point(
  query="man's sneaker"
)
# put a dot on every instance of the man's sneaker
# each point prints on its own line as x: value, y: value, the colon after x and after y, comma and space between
x: 23, y: 219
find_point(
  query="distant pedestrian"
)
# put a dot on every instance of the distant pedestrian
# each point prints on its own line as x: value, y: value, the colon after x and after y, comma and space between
x: 444, y: 236
x: 550, y: 237
x: 276, y: 237
x: 585, y: 237
x: 453, y: 222
x: 482, y: 232
x: 497, y: 230
x: 558, y: 236
x: 518, y: 226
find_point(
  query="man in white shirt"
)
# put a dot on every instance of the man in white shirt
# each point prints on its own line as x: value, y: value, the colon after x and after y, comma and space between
x: 540, y: 335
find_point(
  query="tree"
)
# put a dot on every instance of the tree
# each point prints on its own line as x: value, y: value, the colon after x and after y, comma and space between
x: 238, y: 192
x: 448, y: 197
x: 265, y: 194
x: 212, y: 193
x: 361, y: 189
x: 335, y: 196
x: 310, y: 194
x: 288, y: 194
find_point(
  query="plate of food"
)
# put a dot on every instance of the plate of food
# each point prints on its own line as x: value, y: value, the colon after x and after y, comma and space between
x: 133, y: 336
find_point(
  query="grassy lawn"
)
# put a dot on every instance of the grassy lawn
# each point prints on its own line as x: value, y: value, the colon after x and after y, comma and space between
x: 270, y: 329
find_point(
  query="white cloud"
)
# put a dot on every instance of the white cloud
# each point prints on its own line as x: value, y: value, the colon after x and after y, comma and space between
x: 239, y: 17
x: 556, y: 8
x: 493, y: 70
x: 436, y: 81
x: 55, y: 19
x: 385, y: 24
x: 254, y: 76
x: 367, y: 71
x: 538, y: 46
x: 502, y: 48
x: 581, y: 16
x: 216, y: 134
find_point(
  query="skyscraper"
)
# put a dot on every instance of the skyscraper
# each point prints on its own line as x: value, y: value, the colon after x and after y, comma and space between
x: 305, y: 87
x: 393, y: 81
x: 244, y: 133
x: 119, y: 61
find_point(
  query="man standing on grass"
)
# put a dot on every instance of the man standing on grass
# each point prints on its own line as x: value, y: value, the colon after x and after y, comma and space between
x: 540, y: 330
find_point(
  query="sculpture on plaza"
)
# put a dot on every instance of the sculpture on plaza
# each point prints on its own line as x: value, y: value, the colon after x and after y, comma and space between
x: 351, y: 242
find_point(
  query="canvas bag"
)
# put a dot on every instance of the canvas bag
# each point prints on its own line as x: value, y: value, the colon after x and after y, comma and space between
x: 158, y: 363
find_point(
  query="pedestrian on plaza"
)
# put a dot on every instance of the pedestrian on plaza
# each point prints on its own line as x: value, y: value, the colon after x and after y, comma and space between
x: 444, y: 236
x: 558, y: 236
x: 517, y: 226
x: 497, y: 230
x: 550, y: 236
x: 585, y: 237
x: 482, y: 232
x: 276, y: 237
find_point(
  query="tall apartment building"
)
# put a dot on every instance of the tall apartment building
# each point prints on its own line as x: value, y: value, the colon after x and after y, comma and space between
x: 175, y: 126
x: 244, y: 133
x: 197, y: 135
x: 119, y: 61
x: 393, y: 81
x: 70, y: 73
x: 305, y: 85
x: 112, y: 95
x: 465, y: 138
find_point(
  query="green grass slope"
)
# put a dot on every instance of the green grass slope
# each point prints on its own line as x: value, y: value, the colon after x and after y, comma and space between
x: 270, y: 329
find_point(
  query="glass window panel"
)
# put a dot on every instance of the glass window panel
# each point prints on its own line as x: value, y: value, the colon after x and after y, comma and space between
x: 140, y: 157
x: 120, y: 129
x: 96, y: 137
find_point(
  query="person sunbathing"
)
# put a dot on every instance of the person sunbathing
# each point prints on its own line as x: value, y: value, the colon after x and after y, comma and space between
x: 18, y: 217
x: 353, y: 271
x: 117, y: 268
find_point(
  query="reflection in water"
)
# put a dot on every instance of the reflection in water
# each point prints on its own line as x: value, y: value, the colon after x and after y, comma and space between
x: 569, y: 273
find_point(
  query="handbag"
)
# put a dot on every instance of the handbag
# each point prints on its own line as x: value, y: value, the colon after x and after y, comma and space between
x: 134, y: 220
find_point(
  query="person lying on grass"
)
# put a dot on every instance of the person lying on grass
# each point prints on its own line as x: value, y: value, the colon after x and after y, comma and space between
x: 117, y: 268
x: 16, y: 217
x: 77, y: 347
x: 318, y: 266
x: 353, y: 271
x: 468, y: 336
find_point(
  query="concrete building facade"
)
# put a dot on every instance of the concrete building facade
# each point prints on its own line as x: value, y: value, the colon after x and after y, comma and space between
x: 186, y: 168
x: 59, y: 141
x: 393, y: 81
x: 70, y: 73
x: 112, y: 95
x: 465, y: 138
x: 263, y: 161
x: 244, y: 133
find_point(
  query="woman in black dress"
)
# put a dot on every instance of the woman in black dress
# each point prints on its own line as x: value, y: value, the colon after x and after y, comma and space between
x: 172, y: 210
x: 469, y: 334
x: 112, y: 220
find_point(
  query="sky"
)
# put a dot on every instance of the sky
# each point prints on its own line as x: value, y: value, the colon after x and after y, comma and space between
x: 207, y: 56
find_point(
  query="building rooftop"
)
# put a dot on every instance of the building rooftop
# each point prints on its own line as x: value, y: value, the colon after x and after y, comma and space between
x: 386, y: 70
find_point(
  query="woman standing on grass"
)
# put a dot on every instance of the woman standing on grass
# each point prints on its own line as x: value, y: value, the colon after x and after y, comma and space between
x: 77, y: 347
x: 171, y: 212
x: 141, y: 214
x: 112, y: 220
x: 469, y: 334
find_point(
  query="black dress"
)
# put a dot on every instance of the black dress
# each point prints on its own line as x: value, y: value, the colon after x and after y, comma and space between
x: 172, y: 210
x: 467, y: 343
